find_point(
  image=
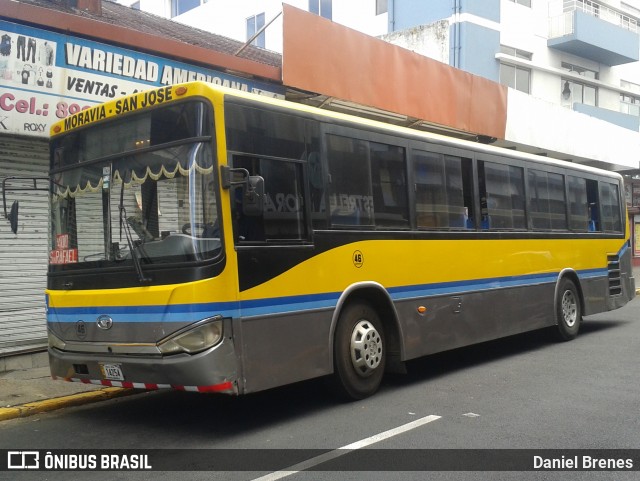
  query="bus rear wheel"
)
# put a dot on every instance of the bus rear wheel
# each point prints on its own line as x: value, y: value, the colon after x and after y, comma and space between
x: 568, y: 310
x: 359, y: 352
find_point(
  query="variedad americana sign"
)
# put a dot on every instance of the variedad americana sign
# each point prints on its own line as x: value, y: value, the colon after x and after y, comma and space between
x: 46, y: 76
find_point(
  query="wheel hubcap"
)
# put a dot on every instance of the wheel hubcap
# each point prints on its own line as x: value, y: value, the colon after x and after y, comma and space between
x: 569, y: 308
x: 366, y: 348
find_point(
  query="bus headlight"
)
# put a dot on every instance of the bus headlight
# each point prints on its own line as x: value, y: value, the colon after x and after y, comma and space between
x: 195, y: 340
x: 55, y: 341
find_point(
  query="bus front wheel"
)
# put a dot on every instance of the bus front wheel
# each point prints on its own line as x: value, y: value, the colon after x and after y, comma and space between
x: 359, y: 351
x: 568, y: 310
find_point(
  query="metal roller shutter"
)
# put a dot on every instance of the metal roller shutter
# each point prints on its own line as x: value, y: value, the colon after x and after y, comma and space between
x: 23, y: 257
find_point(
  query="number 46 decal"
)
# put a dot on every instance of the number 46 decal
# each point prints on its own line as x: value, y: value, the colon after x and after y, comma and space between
x: 358, y: 259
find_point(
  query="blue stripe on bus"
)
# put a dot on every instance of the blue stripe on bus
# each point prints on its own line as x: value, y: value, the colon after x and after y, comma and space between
x: 185, y: 313
x: 624, y: 249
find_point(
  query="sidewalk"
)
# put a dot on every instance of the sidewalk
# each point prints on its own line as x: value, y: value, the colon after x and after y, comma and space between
x: 28, y: 391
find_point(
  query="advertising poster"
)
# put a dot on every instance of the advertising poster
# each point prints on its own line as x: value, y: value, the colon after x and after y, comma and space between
x: 46, y: 76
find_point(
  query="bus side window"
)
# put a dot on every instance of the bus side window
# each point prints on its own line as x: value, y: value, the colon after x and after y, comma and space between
x: 579, y: 216
x: 351, y: 196
x: 389, y: 185
x: 610, y: 211
x: 317, y: 175
x: 283, y: 217
x: 503, y: 188
x: 594, y: 206
x: 484, y: 210
x: 246, y: 228
x: 592, y: 219
x: 547, y: 200
x: 444, y: 191
x: 467, y: 192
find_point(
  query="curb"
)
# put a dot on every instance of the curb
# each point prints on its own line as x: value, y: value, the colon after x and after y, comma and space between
x: 37, y: 407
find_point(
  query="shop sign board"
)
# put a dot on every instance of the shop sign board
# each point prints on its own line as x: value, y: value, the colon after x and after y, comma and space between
x: 46, y: 76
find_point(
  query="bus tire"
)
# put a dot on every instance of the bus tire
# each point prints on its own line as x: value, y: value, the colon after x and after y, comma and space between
x: 568, y: 310
x: 359, y: 352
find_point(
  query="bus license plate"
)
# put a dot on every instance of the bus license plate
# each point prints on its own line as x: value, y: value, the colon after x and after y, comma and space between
x: 112, y: 372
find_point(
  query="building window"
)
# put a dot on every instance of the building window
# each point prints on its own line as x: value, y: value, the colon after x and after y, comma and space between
x: 576, y: 92
x: 583, y: 72
x: 178, y: 7
x: 516, y: 52
x: 254, y: 24
x: 513, y: 76
x: 630, y: 105
x: 321, y: 7
x: 626, y: 85
x: 381, y: 7
x: 518, y: 78
x: 526, y: 3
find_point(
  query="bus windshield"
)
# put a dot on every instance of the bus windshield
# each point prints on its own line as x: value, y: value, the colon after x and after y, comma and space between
x: 157, y: 205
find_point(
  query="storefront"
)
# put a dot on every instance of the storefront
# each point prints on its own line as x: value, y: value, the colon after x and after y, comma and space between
x: 632, y: 195
x: 46, y: 76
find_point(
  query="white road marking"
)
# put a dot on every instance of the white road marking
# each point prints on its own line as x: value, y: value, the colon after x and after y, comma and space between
x: 336, y: 453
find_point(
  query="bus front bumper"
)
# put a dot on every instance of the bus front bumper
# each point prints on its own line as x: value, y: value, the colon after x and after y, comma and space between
x: 214, y: 370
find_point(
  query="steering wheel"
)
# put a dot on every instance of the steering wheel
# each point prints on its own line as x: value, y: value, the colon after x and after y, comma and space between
x: 186, y: 229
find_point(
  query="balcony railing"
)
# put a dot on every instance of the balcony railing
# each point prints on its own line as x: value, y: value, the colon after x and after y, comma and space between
x: 561, y: 15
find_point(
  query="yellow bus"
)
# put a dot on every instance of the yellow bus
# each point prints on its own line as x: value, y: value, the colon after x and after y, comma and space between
x: 210, y: 240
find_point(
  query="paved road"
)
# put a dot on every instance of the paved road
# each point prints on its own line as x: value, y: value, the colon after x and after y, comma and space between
x: 525, y: 392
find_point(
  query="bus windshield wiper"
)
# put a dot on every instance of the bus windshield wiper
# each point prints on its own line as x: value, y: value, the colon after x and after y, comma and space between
x: 127, y: 233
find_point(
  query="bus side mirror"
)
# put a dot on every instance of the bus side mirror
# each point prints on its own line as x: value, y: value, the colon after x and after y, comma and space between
x: 13, y: 217
x: 252, y: 188
x: 253, y: 196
